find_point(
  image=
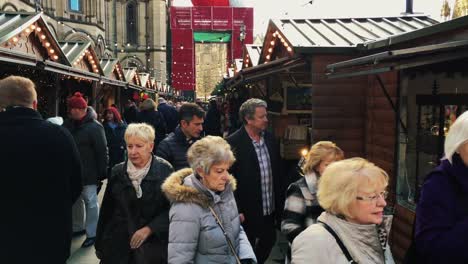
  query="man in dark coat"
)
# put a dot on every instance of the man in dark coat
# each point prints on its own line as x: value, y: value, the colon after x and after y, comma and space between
x: 213, y: 120
x: 174, y: 147
x: 92, y: 144
x: 150, y: 116
x: 41, y: 179
x: 260, y: 194
x: 169, y: 113
x: 130, y: 112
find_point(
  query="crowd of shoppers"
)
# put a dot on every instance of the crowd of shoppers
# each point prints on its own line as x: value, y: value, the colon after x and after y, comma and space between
x: 174, y: 195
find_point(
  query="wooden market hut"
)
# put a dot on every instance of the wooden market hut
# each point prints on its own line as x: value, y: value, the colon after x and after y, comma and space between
x: 28, y: 48
x: 291, y: 76
x: 83, y: 58
x: 416, y: 87
x: 113, y: 83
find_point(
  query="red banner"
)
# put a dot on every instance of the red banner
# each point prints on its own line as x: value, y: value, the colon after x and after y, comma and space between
x: 210, y: 2
x: 186, y: 20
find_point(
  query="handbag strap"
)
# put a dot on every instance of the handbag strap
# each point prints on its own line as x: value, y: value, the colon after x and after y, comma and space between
x: 231, y: 246
x: 340, y: 243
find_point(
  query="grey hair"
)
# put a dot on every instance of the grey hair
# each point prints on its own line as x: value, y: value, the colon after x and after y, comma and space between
x: 247, y: 109
x: 209, y: 151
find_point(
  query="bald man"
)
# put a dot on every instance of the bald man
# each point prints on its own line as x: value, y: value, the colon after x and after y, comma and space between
x: 40, y: 178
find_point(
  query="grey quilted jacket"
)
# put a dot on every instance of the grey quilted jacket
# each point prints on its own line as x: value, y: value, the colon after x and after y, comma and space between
x: 194, y: 235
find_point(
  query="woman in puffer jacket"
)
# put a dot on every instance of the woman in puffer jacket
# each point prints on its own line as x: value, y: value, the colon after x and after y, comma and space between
x: 199, y: 195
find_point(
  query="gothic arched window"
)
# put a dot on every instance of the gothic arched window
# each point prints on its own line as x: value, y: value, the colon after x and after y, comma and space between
x: 132, y: 23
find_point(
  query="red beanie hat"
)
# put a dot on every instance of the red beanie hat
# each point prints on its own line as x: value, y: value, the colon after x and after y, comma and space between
x: 77, y: 101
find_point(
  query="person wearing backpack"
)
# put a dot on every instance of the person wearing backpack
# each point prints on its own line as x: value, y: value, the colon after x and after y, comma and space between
x: 441, y: 229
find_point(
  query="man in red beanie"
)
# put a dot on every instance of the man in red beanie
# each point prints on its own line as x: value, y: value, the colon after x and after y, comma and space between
x: 91, y: 141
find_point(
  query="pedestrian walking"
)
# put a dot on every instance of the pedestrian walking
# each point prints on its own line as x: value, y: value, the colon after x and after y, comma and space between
x: 204, y: 220
x: 174, y: 147
x: 114, y: 128
x: 91, y: 141
x: 169, y: 113
x: 441, y: 215
x: 150, y: 116
x: 260, y: 191
x: 41, y: 178
x: 212, y: 123
x: 353, y: 228
x: 133, y: 223
x: 301, y: 208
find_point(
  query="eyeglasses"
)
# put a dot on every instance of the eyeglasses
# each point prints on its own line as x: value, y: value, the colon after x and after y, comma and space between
x: 373, y: 198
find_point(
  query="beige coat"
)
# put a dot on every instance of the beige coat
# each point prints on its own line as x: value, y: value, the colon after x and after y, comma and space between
x: 317, y: 245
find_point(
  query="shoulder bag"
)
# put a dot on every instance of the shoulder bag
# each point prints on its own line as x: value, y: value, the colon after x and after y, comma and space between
x: 231, y: 246
x: 340, y: 243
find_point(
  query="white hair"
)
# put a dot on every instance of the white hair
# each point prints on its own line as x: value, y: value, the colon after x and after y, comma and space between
x: 457, y: 135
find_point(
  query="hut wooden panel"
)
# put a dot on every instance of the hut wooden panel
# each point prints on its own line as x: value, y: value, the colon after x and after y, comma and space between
x: 335, y: 116
x: 380, y: 149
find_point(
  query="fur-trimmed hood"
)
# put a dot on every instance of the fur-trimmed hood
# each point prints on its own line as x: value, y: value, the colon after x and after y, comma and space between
x: 181, y: 187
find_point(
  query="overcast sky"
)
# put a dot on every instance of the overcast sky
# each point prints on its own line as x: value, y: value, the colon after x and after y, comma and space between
x: 266, y: 9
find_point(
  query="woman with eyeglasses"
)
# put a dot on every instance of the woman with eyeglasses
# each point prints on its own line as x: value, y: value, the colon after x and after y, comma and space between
x: 353, y: 228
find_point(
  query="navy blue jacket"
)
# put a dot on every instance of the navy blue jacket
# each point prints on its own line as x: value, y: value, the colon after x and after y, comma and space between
x: 442, y: 215
x: 171, y: 116
x: 174, y: 149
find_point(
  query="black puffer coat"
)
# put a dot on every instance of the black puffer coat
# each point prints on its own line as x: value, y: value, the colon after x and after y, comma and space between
x: 122, y: 213
x: 92, y: 145
x: 174, y: 149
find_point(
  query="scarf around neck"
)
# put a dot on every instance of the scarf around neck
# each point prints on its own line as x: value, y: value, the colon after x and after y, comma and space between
x: 364, y: 242
x: 137, y: 175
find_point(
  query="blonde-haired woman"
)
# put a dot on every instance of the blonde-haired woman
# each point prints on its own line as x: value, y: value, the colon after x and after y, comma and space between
x: 301, y: 207
x: 441, y: 233
x: 352, y: 192
x: 133, y: 223
x: 204, y: 219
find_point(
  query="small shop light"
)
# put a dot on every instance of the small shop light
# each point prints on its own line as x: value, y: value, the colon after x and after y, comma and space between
x: 43, y: 36
x: 272, y: 42
x: 55, y: 57
x: 90, y: 57
x: 47, y: 44
x: 52, y: 51
x: 268, y: 57
x: 289, y: 49
x: 33, y: 27
x: 38, y: 29
x: 270, y: 50
x: 27, y: 30
x: 96, y: 70
x: 15, y: 39
x: 304, y: 152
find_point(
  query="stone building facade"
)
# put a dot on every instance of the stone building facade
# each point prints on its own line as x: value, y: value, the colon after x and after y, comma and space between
x: 133, y: 31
